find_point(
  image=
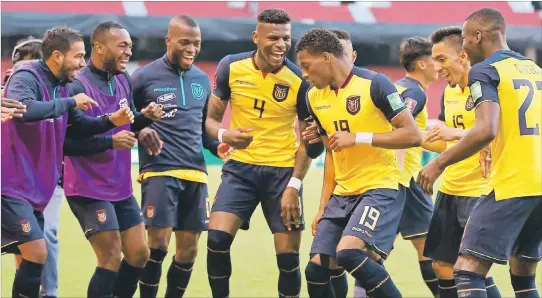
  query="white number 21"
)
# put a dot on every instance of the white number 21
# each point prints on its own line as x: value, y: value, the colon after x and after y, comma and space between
x: 373, y: 214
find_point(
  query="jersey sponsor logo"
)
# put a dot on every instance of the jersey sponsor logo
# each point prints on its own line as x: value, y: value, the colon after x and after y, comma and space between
x: 165, y: 97
x: 25, y: 226
x: 476, y: 90
x: 322, y: 107
x: 123, y: 103
x: 395, y: 101
x: 165, y: 89
x: 101, y: 215
x: 410, y: 103
x: 197, y: 91
x: 170, y: 114
x: 241, y: 82
x: 150, y: 211
x: 353, y: 104
x: 280, y: 92
x: 469, y: 104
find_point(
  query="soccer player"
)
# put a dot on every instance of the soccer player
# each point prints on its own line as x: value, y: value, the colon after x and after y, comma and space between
x: 174, y: 178
x: 364, y: 207
x: 464, y: 182
x: 506, y: 91
x: 415, y: 56
x: 32, y: 147
x: 98, y: 187
x: 266, y: 92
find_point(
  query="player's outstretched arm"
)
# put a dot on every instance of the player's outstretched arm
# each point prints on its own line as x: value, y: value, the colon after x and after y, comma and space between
x: 236, y: 138
x: 82, y: 126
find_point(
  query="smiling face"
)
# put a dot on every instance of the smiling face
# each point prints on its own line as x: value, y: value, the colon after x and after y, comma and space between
x: 117, y: 50
x: 183, y: 44
x: 274, y: 42
x: 449, y: 63
x: 71, y: 62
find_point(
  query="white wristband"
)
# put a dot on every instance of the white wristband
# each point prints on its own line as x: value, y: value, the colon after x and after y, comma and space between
x: 294, y: 183
x: 364, y: 138
x: 220, y: 133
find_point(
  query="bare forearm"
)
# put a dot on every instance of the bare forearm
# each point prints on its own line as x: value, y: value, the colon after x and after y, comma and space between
x: 474, y: 140
x: 329, y: 181
x: 400, y: 138
x: 215, y: 112
x: 302, y: 163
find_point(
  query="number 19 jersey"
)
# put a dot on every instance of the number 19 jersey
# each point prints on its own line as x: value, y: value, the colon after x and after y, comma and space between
x: 514, y: 82
x: 268, y: 103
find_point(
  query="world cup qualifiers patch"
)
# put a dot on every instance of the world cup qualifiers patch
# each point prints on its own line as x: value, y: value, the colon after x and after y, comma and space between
x: 476, y: 90
x: 395, y: 101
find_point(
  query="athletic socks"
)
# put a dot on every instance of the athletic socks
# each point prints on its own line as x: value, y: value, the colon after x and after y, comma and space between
x: 219, y: 262
x: 470, y: 284
x: 27, y: 280
x: 447, y: 288
x: 524, y: 286
x: 102, y: 283
x: 178, y: 277
x: 289, y: 284
x: 339, y: 282
x: 150, y: 279
x: 127, y: 279
x: 429, y: 276
x: 318, y: 281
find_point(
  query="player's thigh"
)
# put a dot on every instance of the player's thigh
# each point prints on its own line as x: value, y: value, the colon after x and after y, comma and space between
x: 417, y: 213
x: 94, y: 216
x: 287, y: 242
x: 494, y: 226
x: 158, y: 237
x: 273, y: 186
x: 374, y: 221
x: 107, y: 247
x: 20, y: 224
x: 186, y: 245
x: 159, y: 201
x: 528, y: 247
x: 193, y: 209
x: 236, y: 199
x: 445, y: 231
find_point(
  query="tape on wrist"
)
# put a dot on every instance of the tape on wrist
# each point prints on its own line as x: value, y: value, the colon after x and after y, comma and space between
x: 364, y: 138
x: 220, y: 133
x: 294, y: 183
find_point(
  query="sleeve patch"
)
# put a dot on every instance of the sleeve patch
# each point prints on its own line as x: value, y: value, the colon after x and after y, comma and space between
x: 476, y: 90
x: 410, y: 103
x: 395, y: 101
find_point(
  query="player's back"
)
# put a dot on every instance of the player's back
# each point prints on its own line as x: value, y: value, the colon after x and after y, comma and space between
x: 517, y: 148
x: 267, y: 103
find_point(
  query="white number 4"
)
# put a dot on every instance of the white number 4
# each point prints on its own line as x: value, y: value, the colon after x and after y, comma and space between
x: 373, y: 215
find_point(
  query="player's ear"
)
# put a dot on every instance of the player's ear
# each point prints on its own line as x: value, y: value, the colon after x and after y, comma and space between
x: 58, y: 57
x: 167, y: 40
x: 354, y: 56
x: 255, y: 37
x: 327, y: 57
x: 99, y: 48
x: 478, y: 36
x: 463, y: 57
x: 421, y: 64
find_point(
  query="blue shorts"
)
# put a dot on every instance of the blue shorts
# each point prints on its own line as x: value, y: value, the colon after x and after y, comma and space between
x: 172, y: 202
x: 244, y: 186
x: 447, y: 226
x: 417, y: 213
x: 372, y: 216
x: 96, y: 216
x: 498, y: 229
x: 20, y: 223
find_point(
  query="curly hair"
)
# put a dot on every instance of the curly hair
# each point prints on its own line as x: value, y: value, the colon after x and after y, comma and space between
x: 320, y: 40
x: 341, y: 34
x: 274, y: 16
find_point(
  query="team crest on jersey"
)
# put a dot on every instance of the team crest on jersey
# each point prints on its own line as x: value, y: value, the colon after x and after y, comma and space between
x: 123, y: 103
x: 353, y: 104
x: 25, y: 225
x: 280, y: 92
x: 150, y: 211
x: 469, y: 104
x: 197, y: 91
x: 410, y: 103
x: 101, y: 215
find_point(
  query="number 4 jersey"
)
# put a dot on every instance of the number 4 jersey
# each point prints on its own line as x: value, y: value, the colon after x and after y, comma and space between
x: 514, y: 82
x: 268, y: 103
x: 367, y: 102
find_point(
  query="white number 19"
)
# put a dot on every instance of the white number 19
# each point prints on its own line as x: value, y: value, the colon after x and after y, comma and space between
x: 373, y: 214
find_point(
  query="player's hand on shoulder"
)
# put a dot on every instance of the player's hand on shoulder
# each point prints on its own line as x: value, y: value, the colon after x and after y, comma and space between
x: 83, y: 102
x: 341, y: 140
x: 224, y: 150
x: 316, y: 220
x: 238, y: 137
x: 153, y: 111
x: 124, y: 140
x: 485, y: 161
x: 122, y: 116
x: 150, y: 140
x: 311, y: 133
x: 290, y: 208
x: 12, y: 109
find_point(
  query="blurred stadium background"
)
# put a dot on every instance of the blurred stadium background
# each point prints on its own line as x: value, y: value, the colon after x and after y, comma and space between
x: 377, y: 29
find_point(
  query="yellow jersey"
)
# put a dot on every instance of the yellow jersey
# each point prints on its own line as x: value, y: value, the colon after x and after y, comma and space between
x: 268, y: 103
x: 367, y: 102
x: 465, y: 177
x: 415, y: 99
x: 515, y: 82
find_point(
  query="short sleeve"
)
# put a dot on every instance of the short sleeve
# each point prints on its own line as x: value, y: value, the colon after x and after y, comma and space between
x: 221, y: 88
x: 442, y: 114
x: 483, y: 82
x: 415, y: 100
x: 312, y: 115
x: 385, y: 97
x: 302, y: 109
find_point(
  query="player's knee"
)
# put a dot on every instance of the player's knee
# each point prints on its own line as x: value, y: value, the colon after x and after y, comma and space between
x: 443, y: 270
x: 219, y: 240
x: 346, y: 258
x: 110, y: 256
x: 315, y: 273
x: 521, y: 268
x: 142, y: 255
x: 288, y: 262
x: 316, y: 259
x: 472, y: 264
x: 158, y: 242
x: 187, y: 253
x: 34, y: 251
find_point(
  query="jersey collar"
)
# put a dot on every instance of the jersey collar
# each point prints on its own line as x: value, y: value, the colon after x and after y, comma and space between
x: 348, y: 79
x: 265, y: 73
x: 172, y: 67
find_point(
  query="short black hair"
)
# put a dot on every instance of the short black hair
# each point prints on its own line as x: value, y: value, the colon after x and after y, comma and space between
x: 32, y: 48
x: 102, y: 28
x: 413, y: 48
x: 450, y: 34
x: 489, y: 15
x: 342, y: 34
x: 188, y: 20
x: 320, y: 40
x: 60, y: 39
x: 274, y: 16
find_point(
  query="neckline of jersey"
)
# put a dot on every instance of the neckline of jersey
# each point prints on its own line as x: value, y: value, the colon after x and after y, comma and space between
x: 276, y: 71
x: 348, y: 79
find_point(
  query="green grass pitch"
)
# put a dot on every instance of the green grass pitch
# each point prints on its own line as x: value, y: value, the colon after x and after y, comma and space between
x: 253, y: 258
